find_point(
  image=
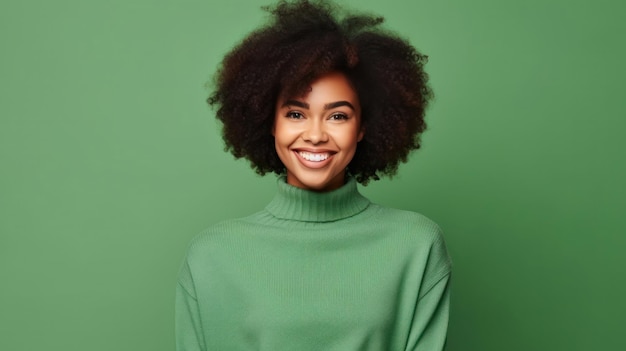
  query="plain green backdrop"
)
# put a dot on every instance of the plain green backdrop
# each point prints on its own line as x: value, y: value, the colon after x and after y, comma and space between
x: 110, y: 162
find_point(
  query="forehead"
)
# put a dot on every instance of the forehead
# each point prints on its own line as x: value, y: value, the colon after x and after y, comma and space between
x: 331, y: 87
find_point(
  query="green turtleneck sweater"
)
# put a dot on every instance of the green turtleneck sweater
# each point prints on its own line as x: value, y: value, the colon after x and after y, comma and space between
x: 316, y: 271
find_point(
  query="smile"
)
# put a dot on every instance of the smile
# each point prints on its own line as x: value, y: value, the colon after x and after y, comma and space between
x: 314, y: 156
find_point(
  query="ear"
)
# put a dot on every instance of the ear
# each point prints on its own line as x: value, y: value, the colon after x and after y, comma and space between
x: 361, y: 134
x: 274, y: 129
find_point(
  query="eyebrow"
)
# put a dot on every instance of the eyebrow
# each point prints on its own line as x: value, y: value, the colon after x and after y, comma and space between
x: 326, y: 107
x: 296, y: 103
x: 338, y: 104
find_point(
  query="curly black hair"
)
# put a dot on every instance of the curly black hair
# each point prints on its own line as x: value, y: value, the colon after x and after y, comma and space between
x: 302, y: 41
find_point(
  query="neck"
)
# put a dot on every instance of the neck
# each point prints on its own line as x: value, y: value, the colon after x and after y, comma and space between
x: 298, y: 204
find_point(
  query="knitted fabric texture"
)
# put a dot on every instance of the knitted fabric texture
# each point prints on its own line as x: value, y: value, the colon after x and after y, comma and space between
x: 315, y: 271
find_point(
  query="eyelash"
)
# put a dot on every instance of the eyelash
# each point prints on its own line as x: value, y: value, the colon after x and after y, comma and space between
x: 334, y: 117
x: 339, y: 117
x: 294, y: 115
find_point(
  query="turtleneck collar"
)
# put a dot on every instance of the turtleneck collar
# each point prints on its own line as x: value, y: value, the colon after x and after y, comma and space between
x: 298, y: 204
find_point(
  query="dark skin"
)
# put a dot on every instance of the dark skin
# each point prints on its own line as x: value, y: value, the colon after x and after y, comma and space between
x: 303, y: 41
x: 317, y: 135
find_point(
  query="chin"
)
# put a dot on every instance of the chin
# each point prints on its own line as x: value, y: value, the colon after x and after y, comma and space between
x: 317, y: 183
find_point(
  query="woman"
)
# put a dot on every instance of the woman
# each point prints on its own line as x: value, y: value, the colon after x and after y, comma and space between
x: 323, y: 103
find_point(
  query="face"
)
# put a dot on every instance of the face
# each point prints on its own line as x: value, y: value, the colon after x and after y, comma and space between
x: 316, y: 135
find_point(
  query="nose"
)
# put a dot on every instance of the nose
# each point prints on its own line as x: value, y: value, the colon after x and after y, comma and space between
x: 315, y: 132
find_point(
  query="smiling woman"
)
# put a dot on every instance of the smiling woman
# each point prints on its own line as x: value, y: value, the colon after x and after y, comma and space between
x: 325, y: 104
x: 317, y: 134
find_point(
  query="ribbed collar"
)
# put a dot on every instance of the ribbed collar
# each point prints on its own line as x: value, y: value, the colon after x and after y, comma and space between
x: 298, y: 204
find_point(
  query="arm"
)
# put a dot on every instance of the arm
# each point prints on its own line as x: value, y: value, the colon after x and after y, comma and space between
x: 189, y: 336
x: 430, y: 322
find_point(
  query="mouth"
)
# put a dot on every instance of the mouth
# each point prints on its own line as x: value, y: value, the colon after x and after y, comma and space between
x: 314, y: 156
x: 314, y: 159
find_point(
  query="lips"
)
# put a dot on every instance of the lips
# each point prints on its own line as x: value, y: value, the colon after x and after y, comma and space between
x: 314, y: 159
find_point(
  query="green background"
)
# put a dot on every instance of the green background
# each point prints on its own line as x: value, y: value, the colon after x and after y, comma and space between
x: 111, y: 162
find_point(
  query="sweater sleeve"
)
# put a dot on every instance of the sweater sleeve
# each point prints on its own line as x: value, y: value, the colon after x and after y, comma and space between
x: 188, y: 329
x: 429, y: 326
x: 430, y: 323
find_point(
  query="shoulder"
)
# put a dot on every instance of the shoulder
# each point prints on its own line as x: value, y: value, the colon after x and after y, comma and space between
x: 419, y: 236
x: 220, y: 245
x: 409, y: 223
x: 223, y: 232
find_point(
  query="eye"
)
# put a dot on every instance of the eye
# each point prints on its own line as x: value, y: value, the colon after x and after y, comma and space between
x: 294, y: 115
x: 338, y: 117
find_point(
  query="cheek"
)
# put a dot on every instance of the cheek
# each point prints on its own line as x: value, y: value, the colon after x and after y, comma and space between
x: 285, y: 132
x: 281, y: 134
x: 349, y: 140
x: 277, y: 131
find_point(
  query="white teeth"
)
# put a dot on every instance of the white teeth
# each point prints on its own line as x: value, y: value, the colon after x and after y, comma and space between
x: 309, y: 156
